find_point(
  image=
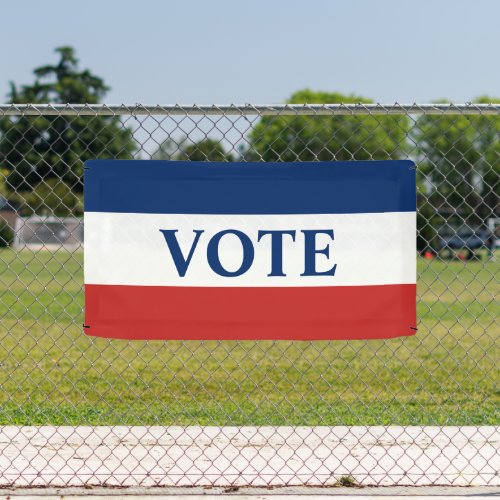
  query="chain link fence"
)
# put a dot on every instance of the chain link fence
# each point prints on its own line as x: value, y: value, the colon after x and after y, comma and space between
x: 78, y: 410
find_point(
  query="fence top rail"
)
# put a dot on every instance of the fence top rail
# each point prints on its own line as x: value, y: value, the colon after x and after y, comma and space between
x: 248, y: 109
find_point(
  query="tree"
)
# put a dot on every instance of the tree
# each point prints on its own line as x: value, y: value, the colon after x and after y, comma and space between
x: 204, y: 150
x: 309, y: 138
x: 459, y: 161
x: 6, y: 234
x: 52, y: 197
x: 488, y: 143
x: 37, y: 148
x: 4, y: 191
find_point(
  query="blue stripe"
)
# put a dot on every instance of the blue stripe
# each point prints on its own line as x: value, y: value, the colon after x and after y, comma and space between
x: 181, y: 187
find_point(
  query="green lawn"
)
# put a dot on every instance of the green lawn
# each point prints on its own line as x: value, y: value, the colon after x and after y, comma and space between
x: 52, y: 373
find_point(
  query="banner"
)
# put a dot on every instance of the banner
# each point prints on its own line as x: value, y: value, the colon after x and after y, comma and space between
x: 297, y: 251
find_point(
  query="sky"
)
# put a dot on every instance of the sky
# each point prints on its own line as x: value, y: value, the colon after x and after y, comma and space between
x: 261, y: 51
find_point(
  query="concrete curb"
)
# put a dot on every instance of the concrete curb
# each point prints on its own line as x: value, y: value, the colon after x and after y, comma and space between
x: 285, y: 493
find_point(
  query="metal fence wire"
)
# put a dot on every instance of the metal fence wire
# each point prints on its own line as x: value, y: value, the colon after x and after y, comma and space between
x: 78, y: 410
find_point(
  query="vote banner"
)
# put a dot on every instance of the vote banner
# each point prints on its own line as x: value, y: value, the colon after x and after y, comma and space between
x: 202, y: 250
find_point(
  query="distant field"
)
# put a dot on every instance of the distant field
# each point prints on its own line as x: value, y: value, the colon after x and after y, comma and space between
x: 52, y: 373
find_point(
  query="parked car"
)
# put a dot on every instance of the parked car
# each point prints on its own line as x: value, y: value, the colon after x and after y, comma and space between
x: 466, y: 238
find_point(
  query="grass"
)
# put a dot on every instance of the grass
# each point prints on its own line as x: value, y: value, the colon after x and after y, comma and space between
x: 347, y: 482
x: 51, y: 373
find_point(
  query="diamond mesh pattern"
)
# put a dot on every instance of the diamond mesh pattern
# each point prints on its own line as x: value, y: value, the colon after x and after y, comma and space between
x: 248, y: 396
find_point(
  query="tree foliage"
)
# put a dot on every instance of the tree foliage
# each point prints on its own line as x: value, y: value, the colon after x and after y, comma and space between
x: 204, y: 150
x: 459, y: 159
x: 6, y: 234
x: 4, y: 191
x: 52, y: 197
x: 37, y: 148
x: 310, y: 138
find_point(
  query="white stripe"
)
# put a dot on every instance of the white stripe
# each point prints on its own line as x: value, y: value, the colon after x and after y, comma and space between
x: 369, y: 249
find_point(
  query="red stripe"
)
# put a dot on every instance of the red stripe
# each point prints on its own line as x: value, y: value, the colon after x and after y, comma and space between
x: 291, y: 313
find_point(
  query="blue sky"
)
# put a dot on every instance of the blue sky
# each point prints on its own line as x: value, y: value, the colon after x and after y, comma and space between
x: 260, y: 51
